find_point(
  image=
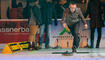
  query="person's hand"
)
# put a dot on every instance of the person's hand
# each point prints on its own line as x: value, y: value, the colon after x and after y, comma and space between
x: 88, y: 19
x: 85, y: 26
x: 64, y: 25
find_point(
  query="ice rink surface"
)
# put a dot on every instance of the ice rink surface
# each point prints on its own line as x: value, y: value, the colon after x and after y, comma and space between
x: 46, y: 54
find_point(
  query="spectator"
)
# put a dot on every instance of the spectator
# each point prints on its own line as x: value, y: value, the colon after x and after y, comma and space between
x: 48, y: 11
x: 95, y: 13
x: 83, y: 5
x: 60, y: 8
x: 35, y: 21
x: 27, y: 11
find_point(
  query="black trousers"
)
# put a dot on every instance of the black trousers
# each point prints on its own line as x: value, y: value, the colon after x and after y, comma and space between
x: 99, y: 30
x: 75, y: 33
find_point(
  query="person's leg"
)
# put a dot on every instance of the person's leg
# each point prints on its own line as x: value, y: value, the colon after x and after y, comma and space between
x: 92, y: 38
x: 99, y: 30
x: 74, y: 40
x: 76, y: 36
x: 74, y: 31
x: 47, y: 36
x: 33, y: 30
x: 42, y: 28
